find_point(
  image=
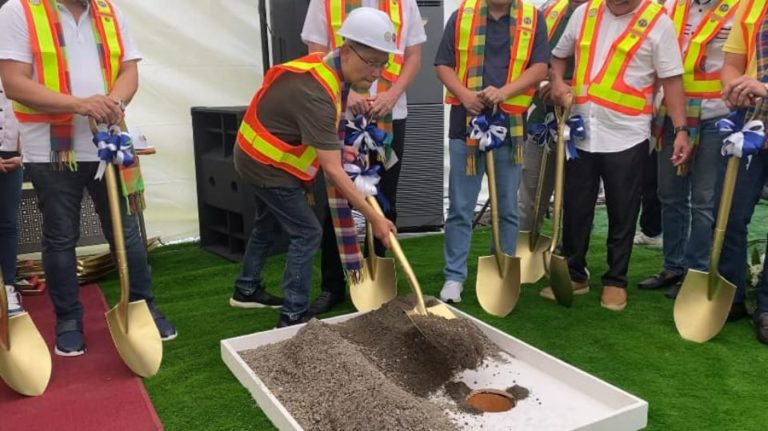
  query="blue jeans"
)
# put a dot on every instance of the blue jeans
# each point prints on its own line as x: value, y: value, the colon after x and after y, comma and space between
x: 688, y: 202
x: 10, y: 198
x: 288, y: 208
x: 59, y: 195
x: 733, y: 259
x: 463, y: 190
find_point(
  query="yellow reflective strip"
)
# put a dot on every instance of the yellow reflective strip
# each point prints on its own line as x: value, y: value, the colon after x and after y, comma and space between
x: 247, y: 131
x: 47, y: 46
x: 465, y: 33
x: 585, y: 47
x: 18, y: 107
x: 337, y: 8
x: 520, y: 57
x: 329, y: 77
x: 273, y: 153
x: 680, y: 17
x: 109, y: 24
x: 715, y: 20
x: 553, y: 16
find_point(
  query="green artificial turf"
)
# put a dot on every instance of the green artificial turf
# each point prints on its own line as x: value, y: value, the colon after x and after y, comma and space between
x: 719, y: 385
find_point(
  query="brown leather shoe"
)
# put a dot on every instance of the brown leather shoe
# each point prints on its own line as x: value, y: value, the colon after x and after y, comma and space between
x: 614, y: 298
x: 579, y: 288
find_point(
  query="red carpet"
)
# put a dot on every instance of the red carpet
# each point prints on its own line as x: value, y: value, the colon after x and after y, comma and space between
x: 93, y: 392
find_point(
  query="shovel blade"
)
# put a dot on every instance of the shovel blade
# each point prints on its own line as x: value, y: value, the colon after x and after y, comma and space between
x: 139, y: 345
x: 531, y: 258
x: 698, y: 317
x: 560, y: 280
x: 498, y: 294
x: 26, y: 366
x: 376, y: 287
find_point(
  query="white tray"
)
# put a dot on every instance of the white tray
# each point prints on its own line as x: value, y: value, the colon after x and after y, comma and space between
x: 571, y: 399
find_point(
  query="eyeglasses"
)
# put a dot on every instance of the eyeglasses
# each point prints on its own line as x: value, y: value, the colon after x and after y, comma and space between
x: 371, y: 64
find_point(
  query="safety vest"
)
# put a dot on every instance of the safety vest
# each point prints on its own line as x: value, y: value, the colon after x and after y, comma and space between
x: 754, y: 13
x: 336, y: 11
x: 609, y: 88
x: 256, y: 141
x: 698, y: 82
x: 50, y: 63
x: 519, y: 56
x: 553, y: 14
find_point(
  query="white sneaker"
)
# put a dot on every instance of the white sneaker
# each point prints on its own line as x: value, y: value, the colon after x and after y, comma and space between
x: 451, y: 292
x: 648, y: 241
x: 14, y: 301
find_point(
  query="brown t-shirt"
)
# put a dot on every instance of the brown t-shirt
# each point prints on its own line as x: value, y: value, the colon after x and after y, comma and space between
x: 296, y: 109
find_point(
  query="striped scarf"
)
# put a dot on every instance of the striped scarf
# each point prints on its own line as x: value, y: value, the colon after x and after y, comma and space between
x: 62, y: 153
x: 341, y: 214
x: 475, y: 62
x: 760, y: 111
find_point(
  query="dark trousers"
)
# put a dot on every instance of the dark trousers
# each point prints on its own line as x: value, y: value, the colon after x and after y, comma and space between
x: 59, y: 195
x: 733, y: 258
x: 650, y: 216
x: 333, y: 279
x: 10, y: 198
x: 620, y: 174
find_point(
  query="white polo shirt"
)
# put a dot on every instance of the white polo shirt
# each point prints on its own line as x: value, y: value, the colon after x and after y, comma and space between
x: 9, y: 129
x: 84, y: 73
x: 710, y: 108
x: 610, y: 131
x: 316, y: 31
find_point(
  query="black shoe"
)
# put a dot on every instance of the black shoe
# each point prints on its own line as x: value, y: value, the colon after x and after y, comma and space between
x: 258, y: 299
x: 761, y: 327
x: 285, y: 321
x: 738, y: 312
x: 325, y: 302
x: 672, y: 292
x: 662, y: 279
x: 69, y: 338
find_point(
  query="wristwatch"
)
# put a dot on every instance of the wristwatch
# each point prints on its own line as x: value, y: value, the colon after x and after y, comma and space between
x: 679, y: 129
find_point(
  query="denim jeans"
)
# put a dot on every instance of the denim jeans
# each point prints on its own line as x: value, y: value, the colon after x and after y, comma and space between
x: 733, y: 259
x: 59, y: 195
x: 688, y: 202
x: 10, y: 198
x: 463, y: 190
x: 288, y: 207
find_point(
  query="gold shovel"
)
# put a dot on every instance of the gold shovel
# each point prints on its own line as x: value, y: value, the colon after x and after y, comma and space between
x: 25, y: 361
x: 531, y: 245
x: 498, y: 276
x: 379, y: 281
x: 705, y: 298
x: 130, y: 323
x: 420, y: 309
x: 556, y: 265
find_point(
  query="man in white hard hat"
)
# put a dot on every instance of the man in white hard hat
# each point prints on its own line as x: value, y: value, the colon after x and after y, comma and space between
x: 385, y: 102
x: 292, y: 130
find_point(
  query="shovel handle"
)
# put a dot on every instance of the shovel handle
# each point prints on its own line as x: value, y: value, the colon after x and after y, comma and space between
x: 394, y: 245
x: 490, y: 170
x: 370, y: 258
x: 723, y: 212
x: 533, y: 238
x: 559, y: 176
x: 5, y: 337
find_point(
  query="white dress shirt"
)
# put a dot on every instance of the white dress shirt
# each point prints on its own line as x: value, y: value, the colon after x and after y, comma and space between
x: 9, y: 129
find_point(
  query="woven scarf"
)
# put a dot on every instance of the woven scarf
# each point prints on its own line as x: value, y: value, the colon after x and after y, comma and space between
x: 475, y: 62
x: 62, y: 153
x: 341, y: 214
x: 760, y: 112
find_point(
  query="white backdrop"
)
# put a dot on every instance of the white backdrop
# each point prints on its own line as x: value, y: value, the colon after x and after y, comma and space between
x: 196, y: 53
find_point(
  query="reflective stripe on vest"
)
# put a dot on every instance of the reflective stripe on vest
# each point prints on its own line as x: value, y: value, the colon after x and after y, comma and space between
x: 554, y: 14
x: 336, y: 11
x: 750, y: 23
x: 50, y: 63
x: 519, y: 52
x: 256, y: 141
x: 698, y: 83
x: 609, y: 88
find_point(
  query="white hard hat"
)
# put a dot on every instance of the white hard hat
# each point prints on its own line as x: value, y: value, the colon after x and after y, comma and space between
x: 370, y: 27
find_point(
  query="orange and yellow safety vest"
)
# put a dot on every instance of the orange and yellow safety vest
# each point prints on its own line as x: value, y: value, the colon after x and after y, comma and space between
x: 609, y: 88
x: 698, y: 82
x: 336, y: 11
x: 50, y: 62
x: 519, y: 56
x: 754, y: 13
x: 256, y: 141
x: 553, y: 14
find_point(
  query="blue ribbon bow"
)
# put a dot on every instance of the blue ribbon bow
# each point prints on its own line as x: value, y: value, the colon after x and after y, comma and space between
x: 574, y: 129
x: 741, y: 138
x: 114, y: 146
x: 489, y: 131
x: 365, y: 137
x: 544, y: 134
